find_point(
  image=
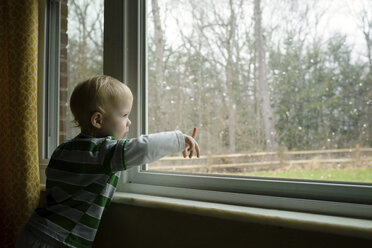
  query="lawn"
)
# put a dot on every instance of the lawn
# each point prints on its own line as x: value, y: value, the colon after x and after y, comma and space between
x: 355, y: 175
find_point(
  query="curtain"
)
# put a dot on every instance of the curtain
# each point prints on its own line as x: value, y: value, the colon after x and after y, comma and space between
x: 19, y: 171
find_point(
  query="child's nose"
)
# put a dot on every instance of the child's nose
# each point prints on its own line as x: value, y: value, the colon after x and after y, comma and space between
x: 129, y: 123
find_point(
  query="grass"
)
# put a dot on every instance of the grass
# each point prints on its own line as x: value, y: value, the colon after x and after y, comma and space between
x: 351, y: 175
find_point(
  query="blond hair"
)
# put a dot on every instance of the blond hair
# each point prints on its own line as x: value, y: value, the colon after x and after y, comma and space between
x: 100, y: 93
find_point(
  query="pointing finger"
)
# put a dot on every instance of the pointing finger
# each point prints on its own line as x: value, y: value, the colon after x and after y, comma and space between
x: 194, y: 132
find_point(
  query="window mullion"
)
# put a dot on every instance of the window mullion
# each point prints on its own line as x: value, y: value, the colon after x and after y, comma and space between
x: 51, y: 97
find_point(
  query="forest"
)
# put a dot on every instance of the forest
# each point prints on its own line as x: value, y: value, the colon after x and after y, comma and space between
x: 253, y: 75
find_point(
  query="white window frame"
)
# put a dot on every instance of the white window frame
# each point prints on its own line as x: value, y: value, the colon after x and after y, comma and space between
x: 48, y: 76
x: 48, y: 80
x: 51, y: 76
x: 125, y: 58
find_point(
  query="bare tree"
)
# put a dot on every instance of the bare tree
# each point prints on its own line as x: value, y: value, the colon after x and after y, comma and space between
x: 223, y: 30
x: 261, y: 81
x: 159, y: 46
x: 365, y: 23
x: 85, y: 39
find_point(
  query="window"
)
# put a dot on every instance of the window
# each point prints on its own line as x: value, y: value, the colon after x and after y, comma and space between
x: 187, y: 76
x: 279, y: 89
x: 195, y: 64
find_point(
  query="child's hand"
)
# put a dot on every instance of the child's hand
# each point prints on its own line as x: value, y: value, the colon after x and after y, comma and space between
x: 191, y: 144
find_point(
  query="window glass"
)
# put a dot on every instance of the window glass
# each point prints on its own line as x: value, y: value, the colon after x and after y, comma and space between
x: 275, y: 88
x: 81, y: 53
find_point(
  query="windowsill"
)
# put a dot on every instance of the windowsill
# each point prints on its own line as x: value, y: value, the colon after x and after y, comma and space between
x: 290, y: 219
x: 296, y: 220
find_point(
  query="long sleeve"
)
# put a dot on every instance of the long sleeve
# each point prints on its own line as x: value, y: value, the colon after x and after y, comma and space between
x: 149, y: 148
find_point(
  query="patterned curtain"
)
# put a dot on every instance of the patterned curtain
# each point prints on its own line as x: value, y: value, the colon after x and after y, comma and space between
x: 19, y: 171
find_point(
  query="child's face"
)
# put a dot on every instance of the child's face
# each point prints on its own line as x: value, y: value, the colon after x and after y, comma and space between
x: 117, y: 122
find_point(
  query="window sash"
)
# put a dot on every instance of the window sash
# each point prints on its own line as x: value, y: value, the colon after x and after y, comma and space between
x: 51, y: 76
x: 334, y: 198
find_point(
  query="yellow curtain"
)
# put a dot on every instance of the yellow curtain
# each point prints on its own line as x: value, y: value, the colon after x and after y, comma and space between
x: 19, y: 171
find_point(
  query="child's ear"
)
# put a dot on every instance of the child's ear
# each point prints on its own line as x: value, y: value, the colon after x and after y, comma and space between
x: 96, y: 119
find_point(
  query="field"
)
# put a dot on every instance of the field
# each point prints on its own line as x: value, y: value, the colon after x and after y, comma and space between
x: 351, y: 165
x: 350, y: 175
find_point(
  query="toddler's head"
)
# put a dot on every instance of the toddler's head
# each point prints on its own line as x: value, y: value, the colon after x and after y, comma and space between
x: 101, y: 106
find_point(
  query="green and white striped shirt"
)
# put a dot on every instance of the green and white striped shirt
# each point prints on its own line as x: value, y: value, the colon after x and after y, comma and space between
x: 82, y: 176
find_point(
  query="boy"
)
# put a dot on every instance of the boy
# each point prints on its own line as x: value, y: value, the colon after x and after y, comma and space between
x: 83, y: 173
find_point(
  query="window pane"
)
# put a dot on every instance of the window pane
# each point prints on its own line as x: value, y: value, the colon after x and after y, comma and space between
x: 81, y: 53
x: 275, y: 88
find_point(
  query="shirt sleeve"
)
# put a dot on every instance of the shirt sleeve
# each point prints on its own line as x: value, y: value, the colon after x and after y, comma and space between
x: 149, y: 148
x: 118, y: 155
x: 111, y: 155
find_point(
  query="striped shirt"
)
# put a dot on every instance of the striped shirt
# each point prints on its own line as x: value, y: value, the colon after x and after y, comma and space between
x: 82, y: 176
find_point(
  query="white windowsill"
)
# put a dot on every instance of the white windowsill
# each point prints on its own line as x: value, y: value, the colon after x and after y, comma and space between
x: 297, y: 220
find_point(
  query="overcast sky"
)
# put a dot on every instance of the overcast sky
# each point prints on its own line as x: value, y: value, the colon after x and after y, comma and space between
x: 339, y: 16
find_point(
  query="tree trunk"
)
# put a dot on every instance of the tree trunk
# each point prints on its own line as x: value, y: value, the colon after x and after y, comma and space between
x: 159, y: 66
x: 231, y: 125
x: 261, y: 81
x: 369, y: 48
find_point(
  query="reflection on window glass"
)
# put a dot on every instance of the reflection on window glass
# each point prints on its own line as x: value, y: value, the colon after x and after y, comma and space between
x: 275, y: 88
x: 81, y: 53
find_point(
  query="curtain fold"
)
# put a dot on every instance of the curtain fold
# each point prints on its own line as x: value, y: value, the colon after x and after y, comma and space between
x: 19, y: 165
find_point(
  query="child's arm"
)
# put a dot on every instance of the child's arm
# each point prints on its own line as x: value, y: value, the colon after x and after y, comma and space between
x: 149, y: 148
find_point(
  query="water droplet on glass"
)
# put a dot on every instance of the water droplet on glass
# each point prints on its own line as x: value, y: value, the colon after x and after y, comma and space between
x: 167, y: 88
x: 299, y: 128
